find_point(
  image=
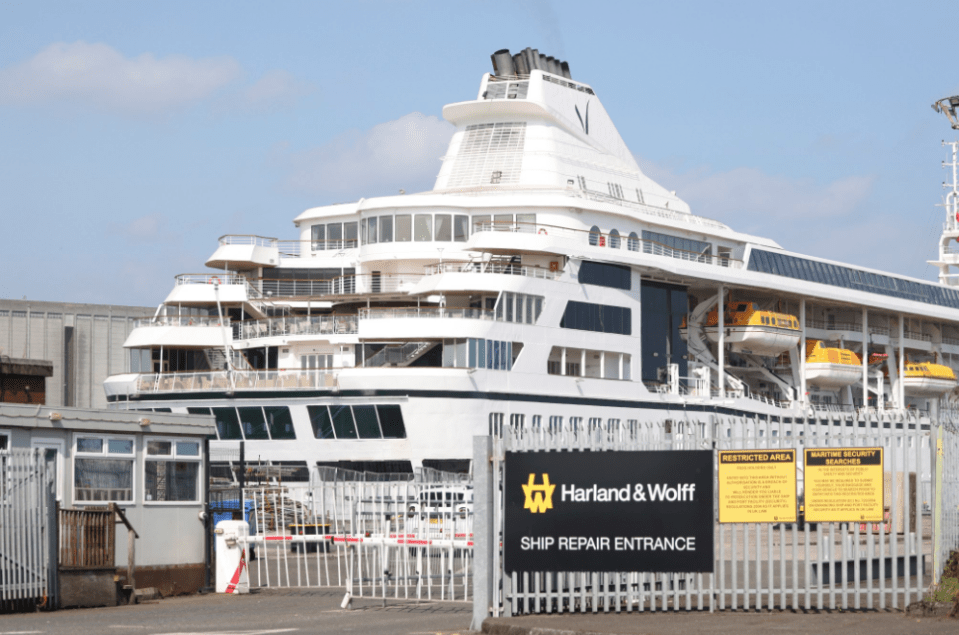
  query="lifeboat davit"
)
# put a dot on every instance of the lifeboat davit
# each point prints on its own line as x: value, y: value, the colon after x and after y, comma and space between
x: 831, y: 368
x: 926, y: 379
x: 755, y: 332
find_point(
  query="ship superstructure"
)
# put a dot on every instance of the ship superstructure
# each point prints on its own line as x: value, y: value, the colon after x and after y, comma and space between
x: 544, y: 282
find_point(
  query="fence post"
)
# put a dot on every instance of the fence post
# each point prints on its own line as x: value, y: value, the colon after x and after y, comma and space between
x: 937, y: 456
x: 483, y: 538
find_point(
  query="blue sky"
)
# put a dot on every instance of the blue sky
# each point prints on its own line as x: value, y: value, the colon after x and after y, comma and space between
x: 134, y: 134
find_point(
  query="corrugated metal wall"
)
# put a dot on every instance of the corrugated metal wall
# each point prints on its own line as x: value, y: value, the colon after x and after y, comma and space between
x: 84, y: 342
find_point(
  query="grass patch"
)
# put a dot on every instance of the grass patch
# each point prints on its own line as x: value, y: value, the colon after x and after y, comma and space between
x: 946, y: 591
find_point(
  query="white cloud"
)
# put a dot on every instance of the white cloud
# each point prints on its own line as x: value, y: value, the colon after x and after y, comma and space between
x: 98, y: 75
x: 748, y: 196
x: 400, y: 154
x: 276, y: 89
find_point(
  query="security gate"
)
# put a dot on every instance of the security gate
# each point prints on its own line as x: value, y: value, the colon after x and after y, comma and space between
x: 28, y: 549
x: 399, y: 539
x: 793, y: 565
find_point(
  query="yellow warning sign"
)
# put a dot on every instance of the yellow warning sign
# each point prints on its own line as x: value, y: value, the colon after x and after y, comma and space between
x: 757, y: 486
x: 843, y: 485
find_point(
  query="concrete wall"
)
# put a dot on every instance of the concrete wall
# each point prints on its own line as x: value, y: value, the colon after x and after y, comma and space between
x: 84, y: 342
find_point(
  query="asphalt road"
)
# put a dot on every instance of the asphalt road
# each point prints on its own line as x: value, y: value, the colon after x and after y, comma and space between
x: 265, y: 613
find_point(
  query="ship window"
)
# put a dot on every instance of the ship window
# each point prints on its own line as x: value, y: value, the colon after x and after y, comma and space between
x: 599, y: 318
x: 319, y: 237
x: 605, y: 275
x: 849, y: 278
x: 614, y: 239
x: 461, y: 228
x: 481, y: 222
x: 321, y: 422
x: 594, y: 235
x: 198, y: 411
x: 366, y: 423
x: 386, y: 229
x: 632, y: 243
x: 334, y: 236
x: 503, y: 222
x: 343, y: 421
x: 404, y: 228
x: 227, y: 423
x: 422, y: 227
x: 699, y: 250
x: 253, y: 423
x: 444, y: 229
x: 391, y: 421
x: 349, y: 234
x: 280, y: 422
x: 371, y: 230
x: 526, y: 223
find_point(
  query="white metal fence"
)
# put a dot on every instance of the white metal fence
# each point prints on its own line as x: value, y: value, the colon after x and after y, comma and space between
x: 394, y: 539
x: 795, y: 565
x: 28, y: 561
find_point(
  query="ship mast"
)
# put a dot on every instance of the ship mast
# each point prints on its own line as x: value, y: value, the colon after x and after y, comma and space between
x: 949, y: 240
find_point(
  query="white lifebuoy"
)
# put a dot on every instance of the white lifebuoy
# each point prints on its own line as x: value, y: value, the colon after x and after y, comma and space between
x: 213, y: 280
x: 542, y: 230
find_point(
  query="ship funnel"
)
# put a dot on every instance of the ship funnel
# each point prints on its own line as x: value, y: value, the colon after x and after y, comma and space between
x: 502, y: 63
x: 527, y: 60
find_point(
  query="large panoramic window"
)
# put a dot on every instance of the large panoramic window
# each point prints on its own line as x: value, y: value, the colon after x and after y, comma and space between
x: 340, y: 421
x: 849, y: 278
x: 585, y: 316
x: 654, y: 241
x: 605, y: 275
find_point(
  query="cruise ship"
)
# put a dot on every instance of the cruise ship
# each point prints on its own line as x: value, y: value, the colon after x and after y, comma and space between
x: 545, y: 282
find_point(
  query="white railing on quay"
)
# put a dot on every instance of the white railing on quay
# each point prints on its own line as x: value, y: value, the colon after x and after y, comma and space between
x: 384, y: 539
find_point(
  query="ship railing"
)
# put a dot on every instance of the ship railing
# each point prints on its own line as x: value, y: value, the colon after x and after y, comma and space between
x: 223, y: 279
x: 297, y: 325
x: 182, y: 320
x: 916, y: 335
x: 642, y: 207
x: 492, y: 267
x: 341, y: 285
x: 468, y: 313
x: 290, y: 247
x: 854, y: 327
x: 951, y: 341
x: 207, y: 381
x: 609, y: 240
x: 831, y: 407
x: 248, y: 239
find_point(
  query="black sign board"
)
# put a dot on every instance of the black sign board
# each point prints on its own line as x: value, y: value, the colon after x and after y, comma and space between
x: 609, y: 511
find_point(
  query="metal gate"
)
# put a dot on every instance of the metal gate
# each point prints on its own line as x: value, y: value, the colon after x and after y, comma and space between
x: 827, y: 565
x: 403, y: 537
x: 27, y: 532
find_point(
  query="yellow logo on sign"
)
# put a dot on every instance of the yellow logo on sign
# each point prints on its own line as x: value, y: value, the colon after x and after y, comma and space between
x: 539, y: 498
